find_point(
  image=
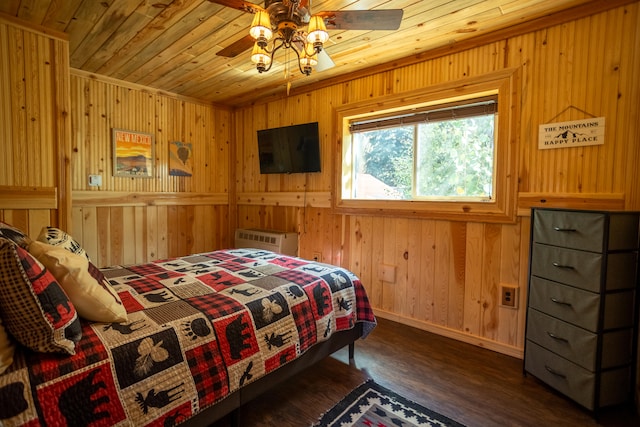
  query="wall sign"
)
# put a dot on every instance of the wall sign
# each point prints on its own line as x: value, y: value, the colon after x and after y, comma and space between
x: 132, y: 153
x: 576, y: 133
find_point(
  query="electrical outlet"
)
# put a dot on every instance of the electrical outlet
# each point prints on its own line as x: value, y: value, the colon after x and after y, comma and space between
x: 317, y: 256
x: 508, y: 296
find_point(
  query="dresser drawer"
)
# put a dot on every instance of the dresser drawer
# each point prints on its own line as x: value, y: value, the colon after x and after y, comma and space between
x: 580, y: 307
x: 566, y: 377
x: 578, y: 230
x: 576, y: 268
x: 579, y: 345
x: 586, y: 230
x: 575, y: 344
x: 575, y: 381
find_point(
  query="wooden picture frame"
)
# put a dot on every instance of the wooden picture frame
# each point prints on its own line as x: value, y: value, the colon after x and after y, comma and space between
x: 133, y: 153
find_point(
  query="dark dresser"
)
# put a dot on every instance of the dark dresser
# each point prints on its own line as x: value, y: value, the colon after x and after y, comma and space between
x: 582, y: 320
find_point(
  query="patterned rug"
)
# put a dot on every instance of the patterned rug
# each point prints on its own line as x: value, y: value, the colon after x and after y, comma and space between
x: 372, y: 405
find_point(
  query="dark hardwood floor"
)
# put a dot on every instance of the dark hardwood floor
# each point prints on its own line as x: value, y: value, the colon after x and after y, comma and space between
x: 471, y: 385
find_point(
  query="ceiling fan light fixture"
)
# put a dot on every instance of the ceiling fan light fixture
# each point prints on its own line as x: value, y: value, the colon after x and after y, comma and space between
x: 261, y: 58
x: 307, y: 62
x: 318, y: 34
x: 261, y: 28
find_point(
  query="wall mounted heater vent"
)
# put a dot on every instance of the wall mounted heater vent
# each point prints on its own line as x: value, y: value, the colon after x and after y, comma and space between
x: 270, y: 240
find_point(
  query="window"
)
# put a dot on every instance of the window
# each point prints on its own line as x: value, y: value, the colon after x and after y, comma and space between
x: 445, y: 152
x: 442, y: 152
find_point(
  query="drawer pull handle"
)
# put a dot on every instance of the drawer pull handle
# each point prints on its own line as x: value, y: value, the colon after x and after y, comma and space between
x: 564, y: 230
x: 554, y: 372
x: 557, y: 265
x: 557, y: 301
x: 557, y: 338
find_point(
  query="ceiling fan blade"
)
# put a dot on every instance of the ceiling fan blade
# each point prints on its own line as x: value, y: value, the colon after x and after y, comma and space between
x: 237, y: 47
x: 244, y: 6
x: 324, y: 61
x: 388, y: 19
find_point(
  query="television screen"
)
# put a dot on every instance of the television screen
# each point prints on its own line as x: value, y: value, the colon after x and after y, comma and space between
x: 289, y: 149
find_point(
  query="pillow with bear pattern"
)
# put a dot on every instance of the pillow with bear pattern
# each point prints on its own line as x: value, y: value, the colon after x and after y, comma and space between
x: 35, y: 309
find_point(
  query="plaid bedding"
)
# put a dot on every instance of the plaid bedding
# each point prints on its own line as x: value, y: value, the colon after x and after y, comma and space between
x: 199, y: 328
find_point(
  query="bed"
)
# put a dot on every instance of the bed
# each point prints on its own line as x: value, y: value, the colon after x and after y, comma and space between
x: 203, y: 335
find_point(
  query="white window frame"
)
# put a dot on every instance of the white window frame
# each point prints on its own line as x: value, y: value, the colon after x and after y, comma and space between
x: 501, y: 207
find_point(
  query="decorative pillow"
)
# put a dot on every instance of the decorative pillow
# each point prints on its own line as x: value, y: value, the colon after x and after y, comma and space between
x: 34, y: 308
x: 15, y: 235
x: 86, y: 286
x: 56, y: 237
x: 6, y: 349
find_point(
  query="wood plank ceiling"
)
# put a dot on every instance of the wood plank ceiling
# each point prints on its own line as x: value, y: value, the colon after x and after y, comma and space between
x: 172, y: 45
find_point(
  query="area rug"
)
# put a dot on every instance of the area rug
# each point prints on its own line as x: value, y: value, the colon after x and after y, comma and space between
x: 372, y: 405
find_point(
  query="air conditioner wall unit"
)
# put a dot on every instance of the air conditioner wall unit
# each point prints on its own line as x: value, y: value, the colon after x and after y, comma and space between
x: 285, y: 243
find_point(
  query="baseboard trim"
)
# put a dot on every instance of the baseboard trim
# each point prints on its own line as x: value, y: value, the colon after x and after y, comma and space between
x: 454, y: 334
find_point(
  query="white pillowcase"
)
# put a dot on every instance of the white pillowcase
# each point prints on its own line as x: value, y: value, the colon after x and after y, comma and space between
x: 94, y: 299
x: 7, y: 348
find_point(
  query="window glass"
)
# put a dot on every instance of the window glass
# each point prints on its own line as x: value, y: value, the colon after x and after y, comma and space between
x: 442, y: 153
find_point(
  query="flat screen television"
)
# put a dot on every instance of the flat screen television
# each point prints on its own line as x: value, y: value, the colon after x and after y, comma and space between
x: 289, y: 149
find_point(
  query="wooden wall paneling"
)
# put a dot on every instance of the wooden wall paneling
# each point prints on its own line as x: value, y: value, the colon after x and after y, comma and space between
x: 628, y: 107
x: 633, y: 104
x: 167, y: 125
x: 442, y: 273
x: 38, y: 218
x: 510, y: 266
x: 361, y: 261
x: 163, y: 232
x: 6, y: 161
x: 426, y: 274
x: 593, y: 98
x: 18, y: 101
x: 523, y: 278
x: 328, y: 227
x: 85, y: 224
x: 473, y: 278
x: 204, y: 223
x: 455, y: 304
x: 173, y: 230
x: 117, y: 229
x: 341, y: 241
x: 309, y: 234
x: 32, y: 90
x: 218, y: 136
x: 34, y: 110
x: 386, y: 238
x: 490, y: 281
x: 152, y: 232
x: 129, y: 234
x: 401, y: 262
x: 610, y: 61
x: 140, y: 233
x: 102, y: 233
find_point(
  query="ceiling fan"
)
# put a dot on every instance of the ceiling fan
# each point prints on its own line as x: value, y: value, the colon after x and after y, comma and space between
x: 282, y: 23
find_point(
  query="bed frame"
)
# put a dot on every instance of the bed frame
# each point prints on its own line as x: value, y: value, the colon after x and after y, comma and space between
x: 232, y: 403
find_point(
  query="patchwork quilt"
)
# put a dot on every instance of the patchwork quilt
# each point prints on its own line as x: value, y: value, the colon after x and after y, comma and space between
x: 199, y: 328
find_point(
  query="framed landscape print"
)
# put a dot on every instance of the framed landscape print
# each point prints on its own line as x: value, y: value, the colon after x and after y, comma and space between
x: 133, y: 153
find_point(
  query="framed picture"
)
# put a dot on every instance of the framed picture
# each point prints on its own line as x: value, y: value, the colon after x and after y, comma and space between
x: 180, y: 163
x: 133, y: 153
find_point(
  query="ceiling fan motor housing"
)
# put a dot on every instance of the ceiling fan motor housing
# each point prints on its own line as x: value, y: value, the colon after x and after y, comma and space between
x: 280, y: 11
